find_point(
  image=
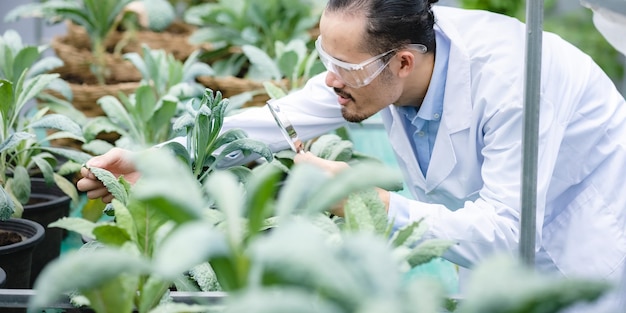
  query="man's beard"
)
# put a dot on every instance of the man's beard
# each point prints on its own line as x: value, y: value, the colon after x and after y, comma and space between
x: 353, y: 118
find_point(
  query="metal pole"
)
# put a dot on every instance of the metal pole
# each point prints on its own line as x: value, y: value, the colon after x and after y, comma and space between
x: 532, y: 88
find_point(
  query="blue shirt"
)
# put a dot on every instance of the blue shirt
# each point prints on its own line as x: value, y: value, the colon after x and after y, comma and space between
x: 422, y: 125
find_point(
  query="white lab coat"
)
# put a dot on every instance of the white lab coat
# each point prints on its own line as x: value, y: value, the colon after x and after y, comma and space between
x: 471, y: 193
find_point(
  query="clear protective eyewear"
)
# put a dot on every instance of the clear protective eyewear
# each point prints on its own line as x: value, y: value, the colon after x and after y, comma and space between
x: 361, y: 74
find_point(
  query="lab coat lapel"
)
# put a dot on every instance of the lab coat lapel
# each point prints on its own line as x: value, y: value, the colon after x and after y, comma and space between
x: 457, y: 112
x: 402, y: 147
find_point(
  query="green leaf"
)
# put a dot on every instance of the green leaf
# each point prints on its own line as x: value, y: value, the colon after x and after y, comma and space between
x: 33, y: 87
x: 6, y: 99
x: 224, y: 188
x: 7, y: 207
x: 58, y: 122
x: 182, y: 201
x: 428, y: 250
x: 111, y: 183
x: 75, y: 224
x: 152, y: 293
x: 146, y: 103
x: 15, y: 139
x: 361, y: 176
x: 20, y: 184
x: 301, y: 183
x: 111, y: 234
x: 365, y: 211
x: 97, y: 268
x: 409, y: 234
x: 146, y: 222
x: 261, y: 192
x: 24, y: 59
x: 262, y: 61
x: 115, y: 111
x: 189, y: 245
x: 273, y: 91
x: 247, y: 146
x: 70, y: 154
x: 503, y: 284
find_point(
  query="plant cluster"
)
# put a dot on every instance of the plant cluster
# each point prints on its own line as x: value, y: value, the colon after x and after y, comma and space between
x: 230, y: 25
x: 25, y: 134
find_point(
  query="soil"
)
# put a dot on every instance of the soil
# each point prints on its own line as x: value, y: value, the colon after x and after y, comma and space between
x: 9, y: 237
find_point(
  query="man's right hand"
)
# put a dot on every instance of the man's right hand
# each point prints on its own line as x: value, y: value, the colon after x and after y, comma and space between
x: 118, y: 162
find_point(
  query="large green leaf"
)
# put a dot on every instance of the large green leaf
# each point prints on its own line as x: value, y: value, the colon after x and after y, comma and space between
x: 263, y: 62
x: 181, y: 201
x: 303, y: 180
x: 115, y: 187
x: 20, y: 184
x: 33, y: 87
x: 7, y: 206
x: 115, y: 111
x: 189, y: 245
x: 58, y: 122
x: 24, y: 59
x: 502, y: 284
x: 14, y: 139
x: 97, y: 267
x: 223, y: 187
x: 75, y: 224
x: 361, y: 176
x: 6, y: 101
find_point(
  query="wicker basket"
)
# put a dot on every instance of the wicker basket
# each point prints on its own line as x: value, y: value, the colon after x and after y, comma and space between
x: 77, y: 64
x: 230, y: 86
x: 173, y: 40
x: 86, y: 96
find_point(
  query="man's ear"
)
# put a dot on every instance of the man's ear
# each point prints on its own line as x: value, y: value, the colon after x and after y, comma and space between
x: 407, y: 63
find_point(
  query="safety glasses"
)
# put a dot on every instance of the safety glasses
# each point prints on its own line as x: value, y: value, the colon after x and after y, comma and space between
x: 358, y: 75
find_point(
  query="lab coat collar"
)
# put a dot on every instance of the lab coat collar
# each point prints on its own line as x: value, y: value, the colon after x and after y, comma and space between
x: 457, y: 110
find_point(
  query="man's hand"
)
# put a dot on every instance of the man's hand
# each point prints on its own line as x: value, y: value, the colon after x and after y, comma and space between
x: 333, y: 168
x: 118, y: 162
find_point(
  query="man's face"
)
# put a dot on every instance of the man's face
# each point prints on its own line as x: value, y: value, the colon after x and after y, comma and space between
x: 341, y: 39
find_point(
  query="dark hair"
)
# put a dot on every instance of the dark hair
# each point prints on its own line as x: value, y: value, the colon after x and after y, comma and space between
x: 392, y: 23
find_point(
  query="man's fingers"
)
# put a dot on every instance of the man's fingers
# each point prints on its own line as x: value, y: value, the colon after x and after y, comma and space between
x: 108, y: 198
x: 97, y: 193
x: 87, y: 184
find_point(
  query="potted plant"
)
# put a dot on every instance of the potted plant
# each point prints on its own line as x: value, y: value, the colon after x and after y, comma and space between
x: 18, y: 239
x: 31, y: 176
x: 145, y: 118
x: 230, y: 25
x: 91, y: 73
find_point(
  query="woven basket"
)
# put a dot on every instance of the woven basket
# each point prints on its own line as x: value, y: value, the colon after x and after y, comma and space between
x: 173, y: 40
x: 77, y: 64
x: 86, y: 96
x: 230, y: 86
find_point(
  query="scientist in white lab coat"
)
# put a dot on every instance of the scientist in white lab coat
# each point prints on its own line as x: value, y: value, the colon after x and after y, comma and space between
x: 449, y: 86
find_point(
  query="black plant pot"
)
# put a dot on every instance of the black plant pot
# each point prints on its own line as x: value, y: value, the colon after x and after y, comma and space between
x: 16, y: 258
x: 47, y: 204
x: 3, y: 277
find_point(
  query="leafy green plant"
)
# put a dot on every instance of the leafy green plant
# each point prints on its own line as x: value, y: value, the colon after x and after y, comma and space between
x: 167, y: 75
x: 98, y: 18
x: 303, y: 262
x: 145, y: 117
x: 24, y: 143
x: 228, y: 24
x: 292, y: 61
x: 207, y: 145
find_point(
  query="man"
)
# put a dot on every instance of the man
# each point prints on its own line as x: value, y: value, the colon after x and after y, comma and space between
x: 448, y: 84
